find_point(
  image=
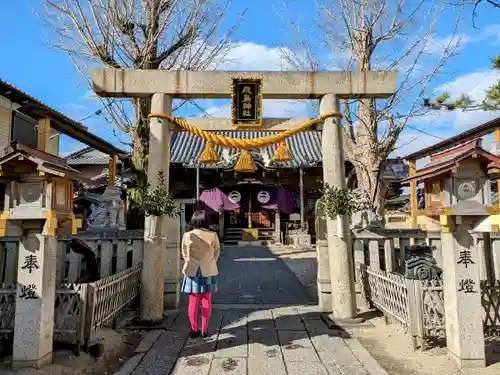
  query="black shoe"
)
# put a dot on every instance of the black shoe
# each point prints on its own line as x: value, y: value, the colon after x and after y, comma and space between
x: 204, y: 334
x: 195, y: 334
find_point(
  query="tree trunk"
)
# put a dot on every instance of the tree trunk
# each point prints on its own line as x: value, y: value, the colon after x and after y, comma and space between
x: 140, y: 139
x: 370, y: 179
x: 366, y: 156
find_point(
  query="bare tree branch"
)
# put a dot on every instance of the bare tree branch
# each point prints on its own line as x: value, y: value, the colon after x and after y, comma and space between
x: 376, y: 35
x: 153, y: 34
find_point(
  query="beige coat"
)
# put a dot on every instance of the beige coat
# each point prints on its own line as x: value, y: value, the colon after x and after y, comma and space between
x: 200, y: 248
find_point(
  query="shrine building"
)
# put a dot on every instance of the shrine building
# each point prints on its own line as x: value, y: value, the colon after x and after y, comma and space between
x: 277, y: 198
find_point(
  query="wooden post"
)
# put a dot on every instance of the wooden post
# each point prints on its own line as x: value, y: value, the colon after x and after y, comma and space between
x: 301, y: 185
x: 497, y: 151
x: 413, y: 197
x: 47, y: 138
x: 112, y: 171
x: 197, y: 185
x: 43, y: 130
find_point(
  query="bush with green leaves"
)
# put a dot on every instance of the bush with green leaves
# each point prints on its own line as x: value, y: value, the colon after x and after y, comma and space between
x: 157, y: 201
x: 343, y: 202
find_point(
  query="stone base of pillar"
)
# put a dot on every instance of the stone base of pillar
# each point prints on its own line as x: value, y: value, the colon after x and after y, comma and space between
x: 468, y: 363
x: 346, y: 322
x: 324, y: 301
x: 171, y: 296
x: 152, y: 281
x: 37, y: 364
x: 323, y: 280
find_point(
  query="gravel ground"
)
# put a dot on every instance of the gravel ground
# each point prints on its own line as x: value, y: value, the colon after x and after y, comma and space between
x: 389, y: 344
x: 118, y: 347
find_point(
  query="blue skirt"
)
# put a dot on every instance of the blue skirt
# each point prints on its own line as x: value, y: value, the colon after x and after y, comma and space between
x: 199, y: 284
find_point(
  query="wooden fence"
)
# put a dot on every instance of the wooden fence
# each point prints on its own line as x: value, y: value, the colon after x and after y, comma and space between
x: 107, y: 298
x: 80, y: 309
x: 419, y: 305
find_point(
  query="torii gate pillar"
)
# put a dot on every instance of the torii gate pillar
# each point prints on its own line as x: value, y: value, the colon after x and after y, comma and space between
x: 165, y: 85
x: 156, y: 229
x: 340, y: 254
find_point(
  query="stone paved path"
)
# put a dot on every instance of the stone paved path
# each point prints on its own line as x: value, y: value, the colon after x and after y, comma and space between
x: 261, y: 324
x: 253, y: 275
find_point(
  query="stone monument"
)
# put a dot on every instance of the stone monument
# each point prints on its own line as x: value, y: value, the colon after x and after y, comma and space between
x: 38, y: 206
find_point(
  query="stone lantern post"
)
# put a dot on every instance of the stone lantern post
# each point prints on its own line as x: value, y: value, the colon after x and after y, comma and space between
x: 38, y: 206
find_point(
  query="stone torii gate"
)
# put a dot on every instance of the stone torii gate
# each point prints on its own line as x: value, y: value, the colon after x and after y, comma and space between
x: 164, y: 86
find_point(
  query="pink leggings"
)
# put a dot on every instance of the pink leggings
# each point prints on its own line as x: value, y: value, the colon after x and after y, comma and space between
x: 206, y: 310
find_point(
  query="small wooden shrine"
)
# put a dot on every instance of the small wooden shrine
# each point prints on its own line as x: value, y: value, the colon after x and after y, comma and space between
x: 39, y: 187
x: 457, y: 182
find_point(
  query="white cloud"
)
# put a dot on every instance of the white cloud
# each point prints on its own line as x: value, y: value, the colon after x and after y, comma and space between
x: 491, y: 31
x: 275, y: 108
x: 436, y: 46
x: 248, y: 56
x: 474, y: 86
x: 253, y: 57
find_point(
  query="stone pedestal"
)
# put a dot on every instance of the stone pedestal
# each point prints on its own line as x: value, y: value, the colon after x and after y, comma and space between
x: 340, y: 254
x: 324, y: 283
x: 34, y: 321
x: 155, y: 229
x: 277, y: 226
x: 462, y: 298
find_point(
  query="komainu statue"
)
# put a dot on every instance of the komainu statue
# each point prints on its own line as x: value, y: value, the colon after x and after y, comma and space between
x: 109, y: 213
x: 366, y: 217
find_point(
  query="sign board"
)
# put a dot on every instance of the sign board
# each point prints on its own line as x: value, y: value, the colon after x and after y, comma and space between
x: 246, y: 96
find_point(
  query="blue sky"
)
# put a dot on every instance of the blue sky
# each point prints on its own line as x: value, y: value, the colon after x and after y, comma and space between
x: 29, y: 62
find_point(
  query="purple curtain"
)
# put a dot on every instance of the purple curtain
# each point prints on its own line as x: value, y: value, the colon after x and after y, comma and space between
x: 279, y: 198
x: 214, y: 200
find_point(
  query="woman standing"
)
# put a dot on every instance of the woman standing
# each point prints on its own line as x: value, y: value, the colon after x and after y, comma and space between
x: 200, y: 250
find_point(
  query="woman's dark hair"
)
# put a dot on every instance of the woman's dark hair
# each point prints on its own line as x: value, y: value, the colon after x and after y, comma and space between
x: 198, y: 220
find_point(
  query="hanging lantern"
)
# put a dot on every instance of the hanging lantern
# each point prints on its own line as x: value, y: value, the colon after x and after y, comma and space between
x: 209, y: 156
x: 282, y: 154
x: 245, y: 163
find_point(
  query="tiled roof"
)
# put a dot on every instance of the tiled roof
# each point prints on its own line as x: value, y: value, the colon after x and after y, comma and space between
x: 43, y: 159
x: 474, y: 132
x: 448, y: 160
x: 305, y: 148
x: 37, y: 109
x: 87, y: 156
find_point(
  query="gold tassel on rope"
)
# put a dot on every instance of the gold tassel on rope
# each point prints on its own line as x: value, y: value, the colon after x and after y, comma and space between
x: 282, y: 154
x: 209, y: 156
x: 245, y: 163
